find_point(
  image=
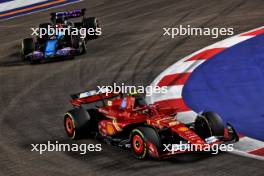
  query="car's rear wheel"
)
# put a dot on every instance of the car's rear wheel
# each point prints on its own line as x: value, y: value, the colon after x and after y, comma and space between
x: 76, y: 123
x: 78, y: 44
x: 70, y: 126
x: 209, y: 124
x: 145, y: 142
x: 78, y: 25
x: 91, y: 22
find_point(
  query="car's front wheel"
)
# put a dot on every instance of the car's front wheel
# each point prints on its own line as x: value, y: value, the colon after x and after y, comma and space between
x: 145, y: 142
x: 27, y: 47
x: 209, y: 124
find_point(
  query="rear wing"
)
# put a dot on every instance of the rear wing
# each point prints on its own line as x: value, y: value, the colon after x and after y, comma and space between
x: 69, y: 14
x: 91, y: 96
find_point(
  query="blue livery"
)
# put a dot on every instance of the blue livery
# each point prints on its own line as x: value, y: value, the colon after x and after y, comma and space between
x: 50, y: 49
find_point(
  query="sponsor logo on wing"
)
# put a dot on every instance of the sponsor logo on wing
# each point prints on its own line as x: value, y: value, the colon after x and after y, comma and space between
x: 211, y: 139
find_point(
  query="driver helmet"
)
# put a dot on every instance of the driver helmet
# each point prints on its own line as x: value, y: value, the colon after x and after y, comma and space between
x: 139, y: 100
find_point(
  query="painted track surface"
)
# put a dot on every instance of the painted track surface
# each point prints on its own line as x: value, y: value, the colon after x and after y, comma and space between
x: 238, y: 81
x: 131, y: 50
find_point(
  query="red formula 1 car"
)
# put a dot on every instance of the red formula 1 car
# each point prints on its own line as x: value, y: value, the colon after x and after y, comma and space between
x: 127, y: 121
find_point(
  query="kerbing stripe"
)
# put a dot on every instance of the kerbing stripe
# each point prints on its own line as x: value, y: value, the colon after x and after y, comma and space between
x: 204, y: 55
x: 179, y: 103
x: 254, y: 33
x: 16, y: 9
x: 174, y: 92
x: 174, y: 79
x: 30, y: 8
x: 259, y: 152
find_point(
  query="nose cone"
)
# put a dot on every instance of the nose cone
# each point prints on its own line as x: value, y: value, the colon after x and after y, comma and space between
x: 50, y: 49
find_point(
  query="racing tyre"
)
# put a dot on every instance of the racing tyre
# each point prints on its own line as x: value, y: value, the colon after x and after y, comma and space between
x: 209, y: 124
x: 78, y: 25
x: 78, y: 44
x: 32, y: 61
x: 93, y: 23
x: 27, y: 47
x: 76, y: 123
x: 145, y: 141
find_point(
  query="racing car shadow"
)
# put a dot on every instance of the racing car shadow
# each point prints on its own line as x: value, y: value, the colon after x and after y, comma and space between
x: 12, y: 60
x: 190, y: 157
x: 55, y: 60
x: 115, y: 154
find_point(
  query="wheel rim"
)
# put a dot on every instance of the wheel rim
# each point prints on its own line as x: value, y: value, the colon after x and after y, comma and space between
x: 69, y: 126
x: 138, y: 144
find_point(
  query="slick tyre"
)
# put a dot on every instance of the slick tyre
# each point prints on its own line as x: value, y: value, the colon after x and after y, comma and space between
x: 145, y: 142
x: 76, y: 123
x: 33, y: 62
x: 27, y: 47
x: 209, y: 124
x: 93, y: 23
x: 78, y: 44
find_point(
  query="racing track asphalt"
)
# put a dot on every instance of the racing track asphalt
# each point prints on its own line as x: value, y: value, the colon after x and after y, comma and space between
x: 131, y: 50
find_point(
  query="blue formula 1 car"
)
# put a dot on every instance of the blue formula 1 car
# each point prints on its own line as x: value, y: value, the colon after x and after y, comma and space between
x: 65, y: 42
